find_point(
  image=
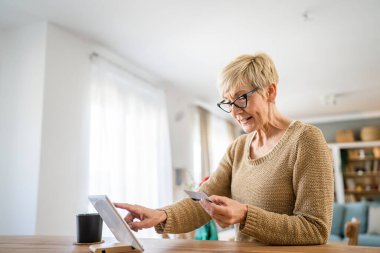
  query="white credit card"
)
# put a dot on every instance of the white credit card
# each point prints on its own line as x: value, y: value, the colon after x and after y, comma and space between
x: 197, y: 196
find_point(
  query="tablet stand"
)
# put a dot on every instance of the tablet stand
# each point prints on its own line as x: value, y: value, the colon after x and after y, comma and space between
x: 112, y: 248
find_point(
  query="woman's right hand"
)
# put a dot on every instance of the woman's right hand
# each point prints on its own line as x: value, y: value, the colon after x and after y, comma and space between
x: 146, y: 217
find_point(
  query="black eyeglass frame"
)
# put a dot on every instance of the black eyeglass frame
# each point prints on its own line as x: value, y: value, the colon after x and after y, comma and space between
x: 245, y: 96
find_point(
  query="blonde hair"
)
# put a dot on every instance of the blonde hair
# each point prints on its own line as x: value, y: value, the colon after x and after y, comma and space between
x: 248, y: 70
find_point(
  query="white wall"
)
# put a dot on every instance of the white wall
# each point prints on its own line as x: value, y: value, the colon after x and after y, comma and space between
x: 44, y: 75
x: 22, y: 61
x: 64, y: 146
x: 44, y: 137
x: 180, y: 107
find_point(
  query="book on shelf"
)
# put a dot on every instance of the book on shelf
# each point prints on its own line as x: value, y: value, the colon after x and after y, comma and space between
x: 376, y: 166
x: 350, y: 183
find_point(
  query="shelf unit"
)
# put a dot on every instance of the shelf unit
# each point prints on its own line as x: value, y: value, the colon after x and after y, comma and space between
x: 366, y: 171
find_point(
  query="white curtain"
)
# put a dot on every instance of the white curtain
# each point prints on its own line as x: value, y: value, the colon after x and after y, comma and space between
x: 212, y: 136
x: 197, y: 147
x: 221, y: 134
x: 129, y: 139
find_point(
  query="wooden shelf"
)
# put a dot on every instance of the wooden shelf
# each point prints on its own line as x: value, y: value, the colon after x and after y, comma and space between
x: 363, y: 193
x: 362, y: 175
x: 364, y: 159
x: 354, y: 145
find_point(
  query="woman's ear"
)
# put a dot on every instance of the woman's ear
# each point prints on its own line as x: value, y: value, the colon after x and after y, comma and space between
x: 272, y: 93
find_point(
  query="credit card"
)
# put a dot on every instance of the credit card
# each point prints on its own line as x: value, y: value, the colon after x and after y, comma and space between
x: 197, y: 196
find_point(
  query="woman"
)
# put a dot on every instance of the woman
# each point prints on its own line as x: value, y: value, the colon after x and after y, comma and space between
x: 275, y: 183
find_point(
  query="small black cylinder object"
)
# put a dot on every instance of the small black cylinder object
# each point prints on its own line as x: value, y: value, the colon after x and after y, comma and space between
x: 89, y: 228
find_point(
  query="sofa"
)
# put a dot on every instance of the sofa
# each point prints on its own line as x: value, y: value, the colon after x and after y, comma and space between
x: 368, y: 214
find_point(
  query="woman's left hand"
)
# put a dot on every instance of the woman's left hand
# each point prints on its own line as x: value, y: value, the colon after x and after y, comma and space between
x: 225, y: 211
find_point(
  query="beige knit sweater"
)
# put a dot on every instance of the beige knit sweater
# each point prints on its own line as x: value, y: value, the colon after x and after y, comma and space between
x: 289, y: 191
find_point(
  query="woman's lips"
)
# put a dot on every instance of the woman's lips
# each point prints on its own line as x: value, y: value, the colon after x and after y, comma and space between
x: 244, y: 121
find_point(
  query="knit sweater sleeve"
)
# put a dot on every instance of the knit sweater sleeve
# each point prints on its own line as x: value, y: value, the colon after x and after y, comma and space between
x: 188, y: 215
x: 182, y: 217
x: 312, y: 183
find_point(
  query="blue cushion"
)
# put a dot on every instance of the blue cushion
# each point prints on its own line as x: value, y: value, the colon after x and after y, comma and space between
x: 358, y: 210
x: 369, y: 240
x: 337, y: 221
x: 335, y: 238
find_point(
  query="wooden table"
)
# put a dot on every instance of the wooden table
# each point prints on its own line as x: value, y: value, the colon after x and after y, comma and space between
x: 29, y: 244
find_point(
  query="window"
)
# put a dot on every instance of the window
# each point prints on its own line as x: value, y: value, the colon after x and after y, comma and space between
x: 220, y: 138
x: 197, y: 148
x: 212, y: 136
x: 129, y: 140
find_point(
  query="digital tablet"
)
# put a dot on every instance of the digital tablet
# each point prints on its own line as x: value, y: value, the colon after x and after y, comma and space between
x: 114, y: 221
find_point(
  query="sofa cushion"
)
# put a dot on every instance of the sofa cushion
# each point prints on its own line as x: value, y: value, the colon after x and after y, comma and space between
x: 374, y: 220
x: 369, y: 240
x: 337, y: 220
x: 358, y: 210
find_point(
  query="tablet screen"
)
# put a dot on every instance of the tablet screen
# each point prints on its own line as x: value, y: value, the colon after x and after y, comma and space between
x: 114, y: 221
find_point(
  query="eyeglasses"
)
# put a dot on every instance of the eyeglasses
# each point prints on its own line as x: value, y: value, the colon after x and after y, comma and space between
x: 240, y: 102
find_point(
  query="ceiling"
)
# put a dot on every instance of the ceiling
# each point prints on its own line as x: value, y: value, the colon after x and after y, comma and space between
x: 327, y: 52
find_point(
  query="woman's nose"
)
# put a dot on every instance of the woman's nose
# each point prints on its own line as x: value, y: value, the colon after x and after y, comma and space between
x: 235, y: 109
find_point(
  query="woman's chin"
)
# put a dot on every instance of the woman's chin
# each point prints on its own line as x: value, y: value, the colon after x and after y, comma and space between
x: 247, y: 128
